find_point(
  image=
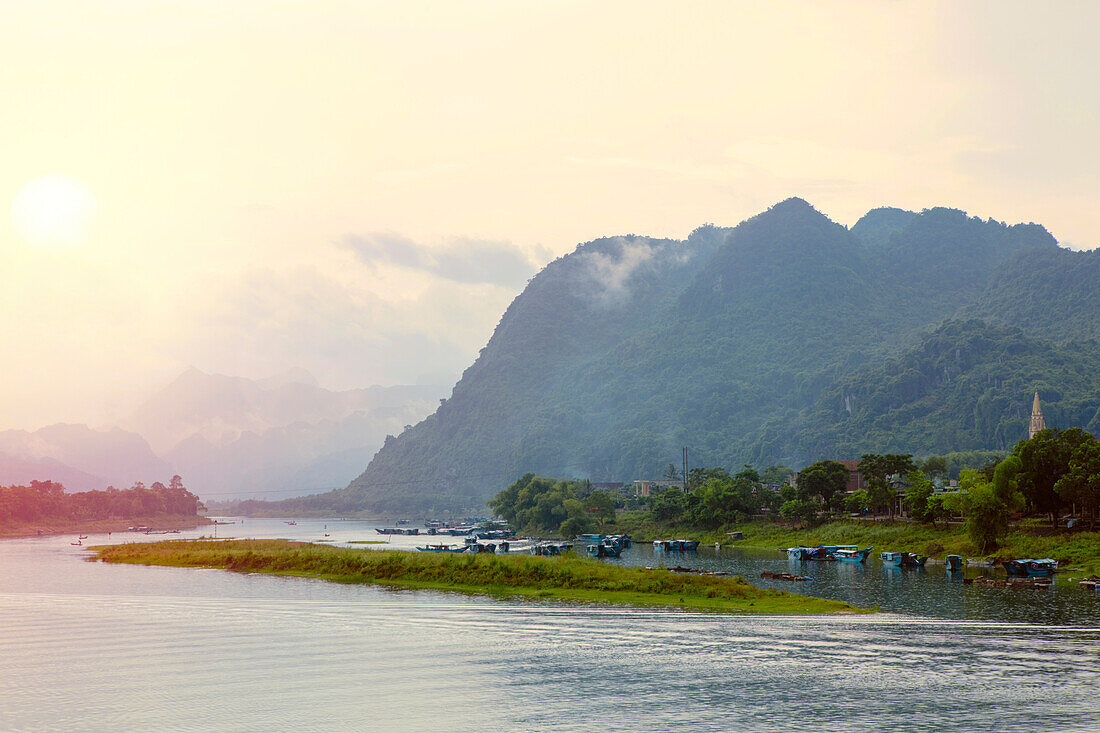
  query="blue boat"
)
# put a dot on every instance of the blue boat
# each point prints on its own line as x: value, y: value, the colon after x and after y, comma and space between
x: 1025, y: 567
x: 903, y: 559
x: 797, y: 553
x: 675, y: 545
x: 953, y: 562
x: 549, y: 549
x: 844, y: 554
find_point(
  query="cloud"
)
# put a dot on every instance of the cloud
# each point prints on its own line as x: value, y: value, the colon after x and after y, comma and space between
x: 463, y: 260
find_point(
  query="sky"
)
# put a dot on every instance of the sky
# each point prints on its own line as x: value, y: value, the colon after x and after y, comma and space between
x: 361, y: 188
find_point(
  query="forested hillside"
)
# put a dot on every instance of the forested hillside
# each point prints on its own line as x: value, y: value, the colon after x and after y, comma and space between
x: 786, y: 339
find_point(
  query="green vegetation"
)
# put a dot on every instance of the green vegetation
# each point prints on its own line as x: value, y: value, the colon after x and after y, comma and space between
x: 46, y: 503
x: 784, y: 340
x: 562, y: 578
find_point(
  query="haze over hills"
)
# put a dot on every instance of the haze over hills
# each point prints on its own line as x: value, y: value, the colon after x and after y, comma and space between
x: 226, y: 436
x: 78, y: 457
x: 785, y: 339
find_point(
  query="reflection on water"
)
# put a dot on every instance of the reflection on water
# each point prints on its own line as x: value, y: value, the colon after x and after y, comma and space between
x: 89, y: 646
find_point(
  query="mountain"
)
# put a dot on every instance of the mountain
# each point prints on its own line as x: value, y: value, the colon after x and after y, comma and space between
x: 79, y: 457
x: 787, y: 338
x: 233, y: 437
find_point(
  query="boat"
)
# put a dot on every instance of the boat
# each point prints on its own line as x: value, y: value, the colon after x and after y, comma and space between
x: 797, y: 553
x: 826, y: 552
x: 675, y: 545
x: 844, y: 554
x: 82, y: 537
x: 604, y: 550
x: 291, y: 523
x: 442, y: 548
x: 78, y: 542
x: 548, y: 549
x: 953, y: 562
x: 903, y: 559
x: 1028, y: 566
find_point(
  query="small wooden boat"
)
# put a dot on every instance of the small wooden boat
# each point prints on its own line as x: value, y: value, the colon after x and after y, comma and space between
x: 442, y: 548
x: 768, y: 575
x: 844, y: 554
x: 292, y: 523
x: 82, y: 537
x: 78, y: 543
x: 953, y: 562
x: 1029, y: 567
x: 903, y: 559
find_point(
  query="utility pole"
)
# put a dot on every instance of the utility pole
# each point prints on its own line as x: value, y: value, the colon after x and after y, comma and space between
x: 685, y: 468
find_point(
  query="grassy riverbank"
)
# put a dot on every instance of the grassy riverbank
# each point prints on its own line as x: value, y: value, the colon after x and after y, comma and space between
x: 1078, y: 549
x: 545, y: 578
x: 1075, y: 549
x: 99, y: 526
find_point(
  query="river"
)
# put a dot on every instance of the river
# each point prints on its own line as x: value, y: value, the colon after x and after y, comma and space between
x: 86, y: 646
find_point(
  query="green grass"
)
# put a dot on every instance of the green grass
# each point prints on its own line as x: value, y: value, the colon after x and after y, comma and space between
x: 571, y: 579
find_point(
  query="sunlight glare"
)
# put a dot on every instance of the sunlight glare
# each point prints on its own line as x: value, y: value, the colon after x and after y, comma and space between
x: 53, y: 211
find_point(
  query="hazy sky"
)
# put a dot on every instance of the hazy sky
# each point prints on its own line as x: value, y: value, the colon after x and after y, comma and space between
x: 360, y: 189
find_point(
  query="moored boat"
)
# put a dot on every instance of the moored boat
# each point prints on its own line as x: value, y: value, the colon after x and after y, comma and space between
x: 1028, y: 566
x: 953, y: 562
x: 442, y: 548
x: 797, y: 553
x: 844, y: 554
x: 903, y: 559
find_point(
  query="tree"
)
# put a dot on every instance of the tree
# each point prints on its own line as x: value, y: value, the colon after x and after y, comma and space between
x: 987, y: 504
x: 877, y: 470
x: 1081, y: 484
x: 672, y: 473
x: 934, y: 467
x: 823, y: 479
x: 917, y: 494
x: 1044, y: 459
x: 776, y: 474
x: 858, y: 501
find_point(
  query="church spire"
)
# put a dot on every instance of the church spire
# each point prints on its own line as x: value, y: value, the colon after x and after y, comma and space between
x: 1037, y: 422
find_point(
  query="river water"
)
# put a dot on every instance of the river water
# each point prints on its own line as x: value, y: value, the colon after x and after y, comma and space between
x: 86, y: 646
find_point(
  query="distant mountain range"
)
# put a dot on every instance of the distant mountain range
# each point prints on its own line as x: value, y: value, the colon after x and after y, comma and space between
x: 786, y: 339
x: 228, y: 437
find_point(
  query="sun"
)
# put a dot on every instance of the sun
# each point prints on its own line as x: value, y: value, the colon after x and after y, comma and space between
x: 53, y: 211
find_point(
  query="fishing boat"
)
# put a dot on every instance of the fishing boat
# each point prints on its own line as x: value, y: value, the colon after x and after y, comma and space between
x: 903, y: 559
x: 689, y: 545
x: 82, y: 537
x: 78, y: 542
x: 953, y: 562
x: 442, y: 548
x: 1044, y: 566
x: 797, y: 553
x: 290, y: 523
x: 844, y: 554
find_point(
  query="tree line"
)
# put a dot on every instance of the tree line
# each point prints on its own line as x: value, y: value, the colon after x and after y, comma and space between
x: 47, y: 500
x: 1047, y: 474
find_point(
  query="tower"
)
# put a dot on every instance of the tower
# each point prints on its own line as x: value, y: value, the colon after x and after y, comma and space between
x: 1037, y: 422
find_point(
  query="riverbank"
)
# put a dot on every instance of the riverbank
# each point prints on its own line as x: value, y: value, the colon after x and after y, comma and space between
x: 571, y: 579
x: 1077, y: 549
x: 100, y: 526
